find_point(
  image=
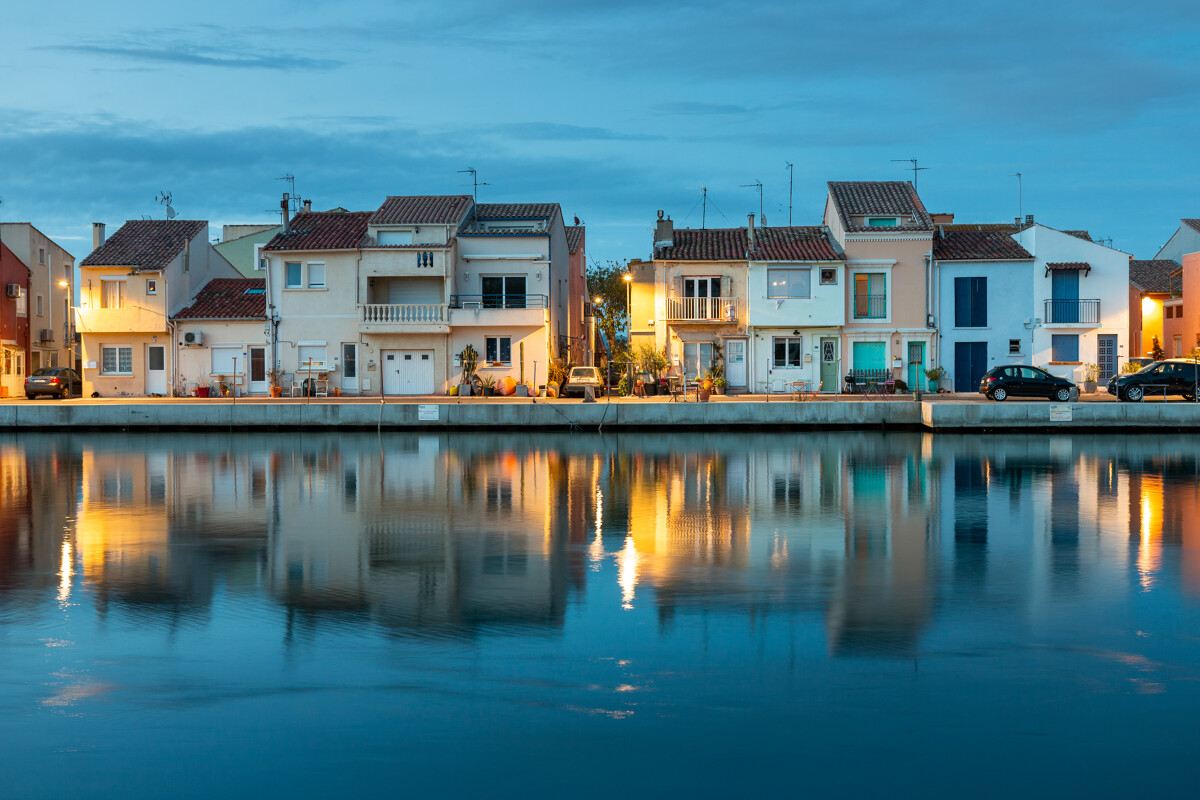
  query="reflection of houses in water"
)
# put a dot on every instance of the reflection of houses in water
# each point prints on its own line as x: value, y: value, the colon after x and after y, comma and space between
x: 16, y: 516
x: 39, y: 494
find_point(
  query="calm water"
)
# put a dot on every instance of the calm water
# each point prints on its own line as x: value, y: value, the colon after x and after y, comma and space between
x: 617, y: 616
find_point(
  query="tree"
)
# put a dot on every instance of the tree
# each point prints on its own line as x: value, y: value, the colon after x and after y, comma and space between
x: 606, y: 281
x: 1156, y: 351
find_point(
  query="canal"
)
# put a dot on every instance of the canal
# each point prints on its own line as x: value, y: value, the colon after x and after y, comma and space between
x: 622, y: 615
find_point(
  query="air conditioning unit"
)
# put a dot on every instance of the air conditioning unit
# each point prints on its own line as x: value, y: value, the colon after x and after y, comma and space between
x: 193, y: 338
x: 13, y: 290
x: 46, y: 335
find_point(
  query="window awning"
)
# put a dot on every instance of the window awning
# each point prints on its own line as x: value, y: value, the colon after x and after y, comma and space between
x: 1054, y: 266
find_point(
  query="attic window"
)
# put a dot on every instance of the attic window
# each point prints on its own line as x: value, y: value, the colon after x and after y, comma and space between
x: 882, y: 222
x: 254, y: 291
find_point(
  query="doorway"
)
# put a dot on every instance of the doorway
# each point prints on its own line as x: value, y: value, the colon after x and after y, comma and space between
x: 916, y: 366
x: 156, y: 369
x: 350, y: 367
x: 970, y: 364
x: 258, y: 370
x: 1107, y: 356
x: 735, y: 362
x: 830, y: 378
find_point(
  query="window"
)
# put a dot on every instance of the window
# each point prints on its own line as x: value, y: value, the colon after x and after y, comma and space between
x: 293, y: 280
x: 1014, y: 347
x: 882, y: 222
x: 788, y: 351
x: 701, y: 287
x: 22, y: 305
x: 151, y: 287
x: 1178, y: 345
x: 112, y: 293
x: 260, y: 263
x: 116, y: 360
x: 870, y: 295
x: 40, y: 304
x: 1064, y: 347
x: 349, y: 360
x: 310, y: 352
x: 970, y: 302
x: 789, y: 283
x: 828, y: 276
x: 697, y: 358
x: 41, y: 255
x: 316, y: 274
x: 498, y: 349
x: 503, y: 291
x: 226, y: 361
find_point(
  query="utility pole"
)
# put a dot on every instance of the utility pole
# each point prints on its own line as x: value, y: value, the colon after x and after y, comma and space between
x: 915, y: 168
x: 791, y: 173
x: 757, y: 185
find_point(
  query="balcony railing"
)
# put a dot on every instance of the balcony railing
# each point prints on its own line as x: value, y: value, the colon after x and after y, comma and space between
x: 703, y: 309
x: 1079, y: 312
x: 399, y: 313
x: 870, y: 306
x: 499, y: 301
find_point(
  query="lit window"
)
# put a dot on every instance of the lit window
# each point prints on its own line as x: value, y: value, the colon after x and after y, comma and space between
x: 151, y: 287
x: 789, y: 283
x: 112, y: 293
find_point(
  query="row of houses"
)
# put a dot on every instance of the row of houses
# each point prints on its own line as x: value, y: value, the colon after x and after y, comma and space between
x: 881, y: 285
x: 371, y: 301
x: 35, y: 305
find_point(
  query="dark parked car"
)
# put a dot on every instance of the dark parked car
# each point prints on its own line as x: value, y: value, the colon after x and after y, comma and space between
x: 1174, y: 376
x: 54, y: 381
x: 1018, y: 380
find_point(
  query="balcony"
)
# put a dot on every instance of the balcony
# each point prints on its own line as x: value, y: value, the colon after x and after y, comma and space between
x: 1072, y: 312
x: 496, y: 310
x: 870, y: 306
x: 704, y: 309
x: 121, y: 320
x: 403, y: 318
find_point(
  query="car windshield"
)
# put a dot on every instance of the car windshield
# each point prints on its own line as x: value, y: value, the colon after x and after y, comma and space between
x: 44, y: 372
x: 585, y: 373
x: 1146, y: 370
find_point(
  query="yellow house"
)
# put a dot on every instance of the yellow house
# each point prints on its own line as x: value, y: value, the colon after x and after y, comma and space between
x: 129, y: 287
x: 1149, y: 287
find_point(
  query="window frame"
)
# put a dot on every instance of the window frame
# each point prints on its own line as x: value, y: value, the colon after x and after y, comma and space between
x: 39, y: 304
x: 773, y: 274
x: 787, y: 342
x: 151, y: 286
x: 120, y: 282
x: 1055, y: 339
x: 287, y: 278
x: 870, y: 277
x: 713, y: 281
x: 832, y: 272
x: 498, y: 361
x: 1014, y: 347
x: 881, y: 222
x: 118, y: 372
x: 308, y: 275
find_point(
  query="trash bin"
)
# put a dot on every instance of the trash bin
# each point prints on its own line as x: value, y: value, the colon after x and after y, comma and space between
x: 1074, y: 394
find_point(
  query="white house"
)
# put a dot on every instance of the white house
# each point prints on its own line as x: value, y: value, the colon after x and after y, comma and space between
x: 223, y: 332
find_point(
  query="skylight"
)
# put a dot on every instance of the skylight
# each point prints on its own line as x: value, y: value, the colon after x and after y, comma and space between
x: 254, y: 291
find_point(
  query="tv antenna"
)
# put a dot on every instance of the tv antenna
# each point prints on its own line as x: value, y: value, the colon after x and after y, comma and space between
x: 758, y: 185
x: 474, y: 184
x: 164, y: 198
x: 293, y: 199
x: 703, y: 204
x: 791, y: 173
x: 915, y: 168
x: 1020, y: 198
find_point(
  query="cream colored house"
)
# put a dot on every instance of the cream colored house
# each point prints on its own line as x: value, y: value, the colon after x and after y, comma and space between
x: 129, y: 288
x: 222, y: 337
x: 49, y: 302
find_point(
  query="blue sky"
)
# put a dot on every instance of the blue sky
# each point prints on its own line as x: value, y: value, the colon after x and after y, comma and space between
x: 613, y: 109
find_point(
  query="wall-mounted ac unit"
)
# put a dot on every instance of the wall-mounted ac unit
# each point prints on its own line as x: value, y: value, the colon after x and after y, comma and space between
x: 13, y: 290
x: 193, y: 338
x: 46, y: 335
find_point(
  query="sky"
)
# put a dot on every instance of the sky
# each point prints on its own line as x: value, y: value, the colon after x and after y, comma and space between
x: 613, y: 109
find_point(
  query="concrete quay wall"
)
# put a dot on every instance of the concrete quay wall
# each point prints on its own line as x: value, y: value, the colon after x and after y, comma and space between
x: 935, y: 416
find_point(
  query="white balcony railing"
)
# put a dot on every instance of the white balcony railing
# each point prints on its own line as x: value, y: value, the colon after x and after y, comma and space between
x: 703, y: 309
x: 403, y: 313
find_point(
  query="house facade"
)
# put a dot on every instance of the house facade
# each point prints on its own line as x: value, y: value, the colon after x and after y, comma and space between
x: 51, y: 332
x: 1186, y: 239
x: 130, y: 286
x: 222, y: 333
x: 1151, y: 287
x: 14, y: 323
x: 241, y: 246
x: 1181, y: 324
x: 886, y: 236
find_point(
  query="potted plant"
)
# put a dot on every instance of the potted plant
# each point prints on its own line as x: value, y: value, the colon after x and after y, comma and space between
x: 1091, y: 373
x: 469, y: 358
x: 623, y: 386
x: 275, y: 380
x: 489, y: 385
x: 935, y: 377
x: 719, y: 385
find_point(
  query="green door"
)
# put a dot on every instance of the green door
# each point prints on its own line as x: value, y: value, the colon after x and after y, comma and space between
x: 916, y: 366
x: 870, y: 355
x: 830, y: 379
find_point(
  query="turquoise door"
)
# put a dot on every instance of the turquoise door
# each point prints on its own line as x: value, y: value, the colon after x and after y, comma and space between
x: 916, y: 366
x: 870, y: 355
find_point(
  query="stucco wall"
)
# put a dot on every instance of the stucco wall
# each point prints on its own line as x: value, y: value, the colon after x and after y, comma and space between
x: 193, y: 365
x: 24, y: 240
x: 1009, y: 287
x: 1185, y: 240
x: 537, y: 354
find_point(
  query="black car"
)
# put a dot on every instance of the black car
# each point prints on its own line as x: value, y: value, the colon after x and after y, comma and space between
x: 54, y: 381
x: 1018, y: 380
x: 1174, y: 376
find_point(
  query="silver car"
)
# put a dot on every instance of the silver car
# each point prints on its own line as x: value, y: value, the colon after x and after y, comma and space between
x: 579, y: 377
x: 60, y: 382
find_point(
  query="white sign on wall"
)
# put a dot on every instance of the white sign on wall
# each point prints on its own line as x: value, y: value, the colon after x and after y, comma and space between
x: 427, y: 413
x: 1060, y: 413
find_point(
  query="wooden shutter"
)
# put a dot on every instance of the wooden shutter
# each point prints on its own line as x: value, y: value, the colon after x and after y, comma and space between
x: 979, y: 302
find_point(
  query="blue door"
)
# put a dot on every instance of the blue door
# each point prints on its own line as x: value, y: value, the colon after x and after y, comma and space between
x: 970, y: 362
x: 1107, y: 360
x: 1064, y: 293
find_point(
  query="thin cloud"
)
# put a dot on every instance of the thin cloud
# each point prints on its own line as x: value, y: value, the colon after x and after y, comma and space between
x: 201, y: 57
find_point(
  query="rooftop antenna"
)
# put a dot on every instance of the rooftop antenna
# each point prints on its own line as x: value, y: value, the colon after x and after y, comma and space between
x: 703, y: 204
x: 475, y: 184
x: 758, y: 185
x: 1020, y: 198
x: 293, y: 198
x: 915, y: 168
x: 791, y: 173
x: 164, y: 197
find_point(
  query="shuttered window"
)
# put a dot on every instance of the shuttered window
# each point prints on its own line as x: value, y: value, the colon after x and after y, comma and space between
x: 970, y: 302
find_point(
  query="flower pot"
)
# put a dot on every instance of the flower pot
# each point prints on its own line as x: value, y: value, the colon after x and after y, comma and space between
x: 276, y: 391
x: 488, y: 391
x: 720, y: 390
x: 201, y: 391
x: 651, y: 389
x: 704, y: 395
x: 1089, y: 387
x: 464, y: 390
x: 522, y: 390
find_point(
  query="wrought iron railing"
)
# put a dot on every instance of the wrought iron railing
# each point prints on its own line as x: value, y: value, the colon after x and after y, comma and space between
x: 870, y: 306
x: 499, y: 301
x: 1084, y: 312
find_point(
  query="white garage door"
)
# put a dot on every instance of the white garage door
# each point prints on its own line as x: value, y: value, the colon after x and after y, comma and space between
x: 407, y: 371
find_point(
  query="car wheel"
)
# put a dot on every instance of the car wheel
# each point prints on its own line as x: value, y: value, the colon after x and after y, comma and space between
x: 30, y: 396
x: 1191, y: 398
x: 1062, y: 394
x: 1133, y: 393
x: 1000, y: 394
x: 64, y: 395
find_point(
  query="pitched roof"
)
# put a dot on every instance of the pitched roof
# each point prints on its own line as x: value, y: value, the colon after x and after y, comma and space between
x: 322, y: 230
x: 574, y: 237
x: 1152, y: 275
x: 706, y: 244
x: 422, y: 209
x: 226, y: 298
x: 793, y: 243
x: 1194, y: 224
x: 966, y: 244
x: 1080, y: 235
x: 145, y: 244
x: 516, y: 210
x: 860, y: 198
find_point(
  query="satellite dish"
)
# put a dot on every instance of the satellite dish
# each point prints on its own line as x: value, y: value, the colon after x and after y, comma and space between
x: 170, y: 213
x: 164, y: 198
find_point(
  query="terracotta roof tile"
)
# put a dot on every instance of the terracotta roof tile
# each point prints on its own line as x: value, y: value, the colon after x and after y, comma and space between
x: 1087, y: 237
x: 1052, y: 266
x: 706, y: 244
x: 516, y: 210
x: 797, y: 243
x: 1194, y: 224
x: 978, y: 245
x: 574, y: 237
x: 145, y: 244
x: 422, y: 210
x: 323, y: 230
x: 1152, y: 275
x: 226, y: 298
x: 861, y: 198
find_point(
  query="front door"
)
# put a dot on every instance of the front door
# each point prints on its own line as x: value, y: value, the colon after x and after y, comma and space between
x: 829, y: 365
x: 916, y: 366
x: 156, y: 369
x: 258, y: 370
x: 970, y: 364
x: 735, y: 362
x: 350, y: 367
x: 1107, y: 360
x: 1064, y: 293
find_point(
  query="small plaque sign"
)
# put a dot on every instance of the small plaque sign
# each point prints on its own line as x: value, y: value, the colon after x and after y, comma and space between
x: 427, y: 413
x: 1060, y: 412
x: 89, y: 365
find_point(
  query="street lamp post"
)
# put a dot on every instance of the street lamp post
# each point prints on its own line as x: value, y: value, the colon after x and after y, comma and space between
x: 628, y: 278
x: 70, y: 335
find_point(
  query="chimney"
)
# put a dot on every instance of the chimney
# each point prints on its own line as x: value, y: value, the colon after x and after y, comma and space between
x: 1017, y: 221
x: 1029, y: 219
x: 283, y: 210
x: 97, y: 235
x: 750, y: 232
x: 664, y: 232
x: 307, y: 206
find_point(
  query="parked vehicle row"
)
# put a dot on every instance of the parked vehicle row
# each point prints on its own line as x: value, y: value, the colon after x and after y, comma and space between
x: 1175, y: 376
x: 1019, y: 380
x: 60, y: 382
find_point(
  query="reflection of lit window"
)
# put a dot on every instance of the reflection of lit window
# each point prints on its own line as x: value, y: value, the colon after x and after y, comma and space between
x: 786, y: 492
x: 117, y: 488
x: 498, y: 495
x: 503, y: 555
